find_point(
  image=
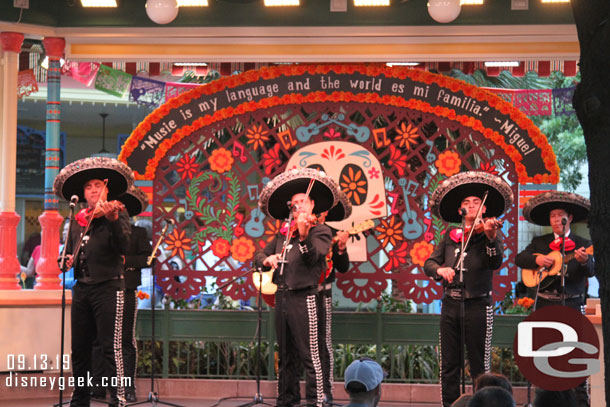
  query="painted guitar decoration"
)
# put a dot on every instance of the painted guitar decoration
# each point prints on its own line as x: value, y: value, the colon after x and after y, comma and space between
x: 547, y: 276
x: 263, y: 280
x: 412, y: 229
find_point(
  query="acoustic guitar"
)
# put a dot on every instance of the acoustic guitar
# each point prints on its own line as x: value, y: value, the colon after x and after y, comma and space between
x: 546, y: 276
x: 263, y: 280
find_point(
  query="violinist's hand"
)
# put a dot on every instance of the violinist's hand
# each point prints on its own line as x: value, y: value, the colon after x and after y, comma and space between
x: 342, y: 237
x: 272, y: 261
x: 303, y: 225
x: 110, y: 209
x: 544, y: 261
x: 447, y: 273
x: 490, y: 227
x: 581, y: 255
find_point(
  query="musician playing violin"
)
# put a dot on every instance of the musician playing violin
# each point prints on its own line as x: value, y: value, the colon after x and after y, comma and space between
x: 457, y: 199
x: 97, y: 240
x: 303, y: 251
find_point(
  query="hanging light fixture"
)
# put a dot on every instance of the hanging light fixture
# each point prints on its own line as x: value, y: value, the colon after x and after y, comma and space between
x: 162, y: 11
x: 444, y: 11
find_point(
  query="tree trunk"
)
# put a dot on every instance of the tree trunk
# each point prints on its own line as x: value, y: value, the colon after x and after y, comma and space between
x: 592, y: 105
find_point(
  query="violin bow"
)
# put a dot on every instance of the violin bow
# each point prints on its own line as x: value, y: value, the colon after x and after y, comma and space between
x: 479, y: 213
x: 80, y: 241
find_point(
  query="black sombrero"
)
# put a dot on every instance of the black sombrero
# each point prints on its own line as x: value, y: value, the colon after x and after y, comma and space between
x: 72, y: 177
x: 537, y: 210
x: 342, y: 210
x: 446, y: 199
x: 278, y: 192
x: 135, y: 200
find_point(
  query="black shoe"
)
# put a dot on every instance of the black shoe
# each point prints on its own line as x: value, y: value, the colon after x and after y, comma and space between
x: 130, y: 394
x: 98, y: 393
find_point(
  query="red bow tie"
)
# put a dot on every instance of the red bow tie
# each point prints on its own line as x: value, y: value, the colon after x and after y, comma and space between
x: 556, y: 244
x: 82, y: 217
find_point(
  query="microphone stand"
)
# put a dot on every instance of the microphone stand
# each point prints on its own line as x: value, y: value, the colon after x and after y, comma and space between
x: 564, y: 267
x: 62, y: 268
x: 460, y: 266
x: 153, y: 397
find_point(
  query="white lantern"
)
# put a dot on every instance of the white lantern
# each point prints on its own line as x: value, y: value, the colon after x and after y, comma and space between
x: 162, y: 11
x: 444, y: 11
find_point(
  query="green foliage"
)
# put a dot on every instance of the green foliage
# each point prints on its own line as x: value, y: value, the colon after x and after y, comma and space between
x: 563, y: 132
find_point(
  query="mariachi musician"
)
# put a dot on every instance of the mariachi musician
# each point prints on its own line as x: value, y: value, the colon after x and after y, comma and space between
x: 299, y: 259
x: 95, y: 246
x: 474, y: 199
x: 541, y: 261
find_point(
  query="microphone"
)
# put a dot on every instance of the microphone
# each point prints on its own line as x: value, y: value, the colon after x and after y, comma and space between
x: 564, y: 221
x: 462, y: 211
x: 73, y: 201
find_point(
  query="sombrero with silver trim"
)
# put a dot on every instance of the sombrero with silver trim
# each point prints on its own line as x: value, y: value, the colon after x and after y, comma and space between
x: 278, y: 192
x: 135, y: 200
x: 71, y: 179
x: 446, y: 200
x: 342, y: 210
x: 538, y: 209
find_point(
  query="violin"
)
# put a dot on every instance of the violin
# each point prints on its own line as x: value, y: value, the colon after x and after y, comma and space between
x: 479, y: 226
x: 311, y: 220
x: 98, y: 211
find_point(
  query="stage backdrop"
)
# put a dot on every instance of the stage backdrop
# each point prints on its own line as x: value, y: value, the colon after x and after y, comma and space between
x: 387, y: 135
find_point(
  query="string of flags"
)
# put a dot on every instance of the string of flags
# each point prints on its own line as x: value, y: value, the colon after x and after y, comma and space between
x: 150, y: 92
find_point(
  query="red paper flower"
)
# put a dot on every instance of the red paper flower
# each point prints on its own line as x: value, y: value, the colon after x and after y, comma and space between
x: 221, y: 160
x: 396, y: 257
x: 242, y: 249
x: 398, y: 160
x: 187, y: 167
x: 220, y: 247
x: 271, y: 159
x: 487, y: 167
x: 420, y: 252
x: 448, y: 163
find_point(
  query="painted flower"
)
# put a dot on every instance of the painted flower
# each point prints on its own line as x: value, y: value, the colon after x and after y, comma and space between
x: 221, y: 160
x: 187, y: 168
x: 407, y: 135
x: 272, y: 229
x: 420, y: 252
x: 374, y: 173
x: 389, y: 232
x: 177, y: 242
x: 220, y: 247
x: 242, y: 249
x: 448, y: 163
x: 271, y: 159
x: 332, y: 133
x: 396, y: 257
x: 257, y: 136
x: 397, y: 160
x: 351, y: 183
x: 332, y: 153
x: 487, y: 167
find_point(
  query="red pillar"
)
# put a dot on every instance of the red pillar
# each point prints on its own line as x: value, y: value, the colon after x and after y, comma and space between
x: 9, y: 265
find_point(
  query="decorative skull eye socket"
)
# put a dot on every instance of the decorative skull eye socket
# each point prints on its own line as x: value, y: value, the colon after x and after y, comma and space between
x: 316, y: 167
x: 353, y: 182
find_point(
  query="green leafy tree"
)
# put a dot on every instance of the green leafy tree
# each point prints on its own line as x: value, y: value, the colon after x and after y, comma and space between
x: 564, y: 133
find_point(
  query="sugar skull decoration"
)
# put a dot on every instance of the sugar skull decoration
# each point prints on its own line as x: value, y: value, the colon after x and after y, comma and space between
x: 359, y: 174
